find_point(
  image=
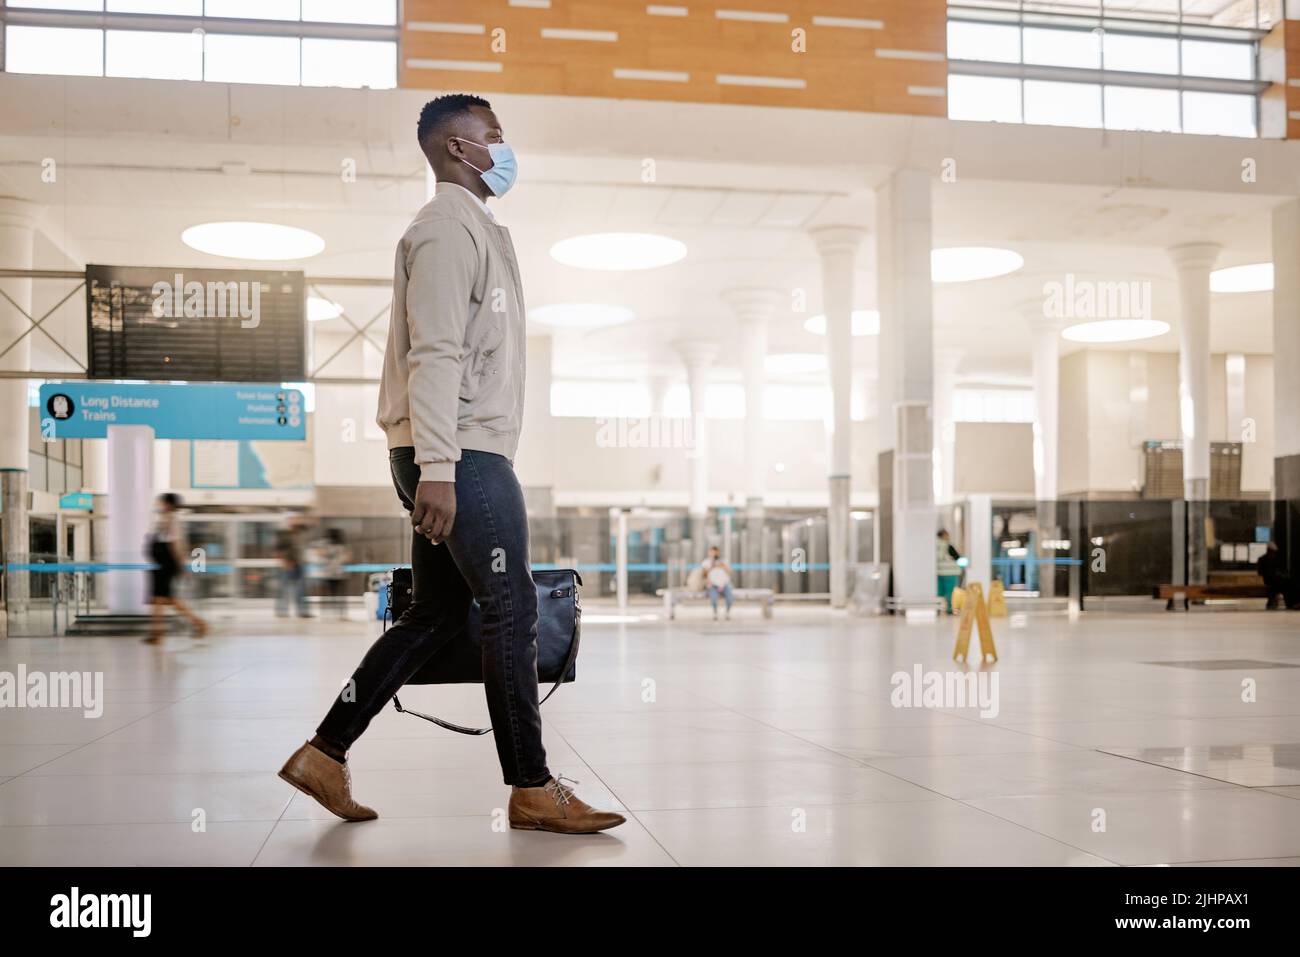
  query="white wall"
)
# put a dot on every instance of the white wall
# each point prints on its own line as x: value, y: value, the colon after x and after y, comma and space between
x: 1100, y: 453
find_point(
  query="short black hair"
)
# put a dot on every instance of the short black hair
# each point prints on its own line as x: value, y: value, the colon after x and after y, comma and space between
x: 170, y: 499
x: 442, y: 108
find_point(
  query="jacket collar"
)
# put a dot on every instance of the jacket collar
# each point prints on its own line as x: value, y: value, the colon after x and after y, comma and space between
x: 467, y: 199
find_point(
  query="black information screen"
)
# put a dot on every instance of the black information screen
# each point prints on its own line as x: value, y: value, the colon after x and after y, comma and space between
x: 202, y: 325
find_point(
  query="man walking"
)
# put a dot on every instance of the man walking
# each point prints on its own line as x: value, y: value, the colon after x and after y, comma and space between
x: 451, y: 405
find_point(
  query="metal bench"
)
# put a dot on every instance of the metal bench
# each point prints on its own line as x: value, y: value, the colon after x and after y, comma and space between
x: 673, y: 597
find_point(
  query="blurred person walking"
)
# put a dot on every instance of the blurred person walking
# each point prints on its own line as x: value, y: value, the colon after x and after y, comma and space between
x: 334, y: 559
x: 164, y: 550
x: 292, y: 591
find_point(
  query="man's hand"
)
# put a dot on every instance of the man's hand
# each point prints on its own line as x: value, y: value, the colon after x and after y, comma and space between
x: 435, y: 510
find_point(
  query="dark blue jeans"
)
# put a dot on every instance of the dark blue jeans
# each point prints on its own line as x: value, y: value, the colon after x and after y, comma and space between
x: 485, y: 559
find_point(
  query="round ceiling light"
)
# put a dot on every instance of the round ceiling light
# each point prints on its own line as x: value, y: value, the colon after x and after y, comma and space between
x: 969, y: 263
x: 795, y: 363
x: 1115, y: 330
x: 235, y: 240
x: 318, y: 309
x: 581, y: 315
x: 866, y: 322
x: 618, y: 251
x: 1254, y: 277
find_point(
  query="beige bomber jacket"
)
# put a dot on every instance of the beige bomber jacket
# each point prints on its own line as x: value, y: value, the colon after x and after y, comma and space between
x: 454, y: 366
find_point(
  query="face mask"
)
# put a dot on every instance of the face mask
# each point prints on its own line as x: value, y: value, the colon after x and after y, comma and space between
x: 504, y: 169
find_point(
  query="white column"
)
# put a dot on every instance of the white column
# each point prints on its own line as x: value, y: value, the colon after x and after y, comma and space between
x: 1194, y: 262
x: 903, y: 212
x: 1045, y: 342
x: 946, y: 363
x: 697, y: 356
x: 657, y: 386
x: 94, y: 466
x: 1286, y: 356
x: 17, y: 231
x: 130, y: 513
x: 838, y: 247
x: 754, y: 307
x: 162, y: 465
x: 535, y: 459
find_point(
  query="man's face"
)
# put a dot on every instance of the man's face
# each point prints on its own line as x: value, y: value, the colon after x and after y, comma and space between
x: 714, y: 553
x: 480, y: 126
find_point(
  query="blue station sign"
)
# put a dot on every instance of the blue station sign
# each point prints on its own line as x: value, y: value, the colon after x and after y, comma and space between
x: 85, y: 410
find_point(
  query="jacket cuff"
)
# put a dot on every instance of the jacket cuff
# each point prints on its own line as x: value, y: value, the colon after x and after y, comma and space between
x: 438, y: 472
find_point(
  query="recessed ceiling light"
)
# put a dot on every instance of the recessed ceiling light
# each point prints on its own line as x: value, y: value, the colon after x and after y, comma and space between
x: 253, y: 241
x: 1255, y: 277
x: 866, y: 322
x: 581, y: 315
x: 318, y: 309
x: 618, y: 251
x: 795, y: 363
x: 1115, y: 330
x: 968, y: 263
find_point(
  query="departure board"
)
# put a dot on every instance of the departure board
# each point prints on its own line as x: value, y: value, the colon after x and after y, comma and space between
x: 197, y: 325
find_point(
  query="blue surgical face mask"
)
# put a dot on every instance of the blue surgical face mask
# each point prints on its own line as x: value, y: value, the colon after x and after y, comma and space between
x: 501, y: 176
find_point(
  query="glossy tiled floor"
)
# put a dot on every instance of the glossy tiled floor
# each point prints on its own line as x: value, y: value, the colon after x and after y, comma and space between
x: 749, y: 742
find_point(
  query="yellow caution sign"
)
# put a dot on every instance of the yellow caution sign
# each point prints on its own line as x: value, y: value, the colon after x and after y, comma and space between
x: 997, y: 601
x: 958, y: 598
x: 975, y: 612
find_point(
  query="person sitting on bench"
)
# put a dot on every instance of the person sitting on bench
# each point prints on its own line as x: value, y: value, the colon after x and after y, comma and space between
x: 718, y: 575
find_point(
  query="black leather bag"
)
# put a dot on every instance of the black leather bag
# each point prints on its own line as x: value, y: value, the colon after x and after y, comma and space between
x: 460, y: 661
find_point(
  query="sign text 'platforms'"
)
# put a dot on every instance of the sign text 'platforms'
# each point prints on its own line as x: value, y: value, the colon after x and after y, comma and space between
x: 85, y: 410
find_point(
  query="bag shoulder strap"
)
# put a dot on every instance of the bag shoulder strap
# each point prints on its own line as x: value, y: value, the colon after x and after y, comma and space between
x: 461, y: 729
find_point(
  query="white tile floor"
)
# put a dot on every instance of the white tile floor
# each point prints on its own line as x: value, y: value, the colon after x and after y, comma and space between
x: 749, y: 742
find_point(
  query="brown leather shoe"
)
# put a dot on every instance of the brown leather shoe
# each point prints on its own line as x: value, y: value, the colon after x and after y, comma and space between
x: 554, y: 807
x: 316, y: 774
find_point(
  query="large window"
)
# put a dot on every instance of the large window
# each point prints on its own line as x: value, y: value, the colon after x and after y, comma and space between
x: 346, y: 43
x: 1157, y: 65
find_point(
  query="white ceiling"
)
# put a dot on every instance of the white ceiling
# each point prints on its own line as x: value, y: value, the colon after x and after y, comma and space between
x: 142, y: 160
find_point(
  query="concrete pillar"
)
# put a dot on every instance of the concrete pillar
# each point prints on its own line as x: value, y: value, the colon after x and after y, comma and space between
x: 17, y: 231
x: 657, y: 386
x: 838, y: 247
x: 535, y: 459
x: 130, y: 513
x: 1286, y: 384
x: 903, y: 212
x: 754, y: 308
x: 1286, y: 357
x: 946, y: 363
x: 697, y: 356
x: 94, y: 465
x: 1045, y: 343
x: 1194, y: 262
